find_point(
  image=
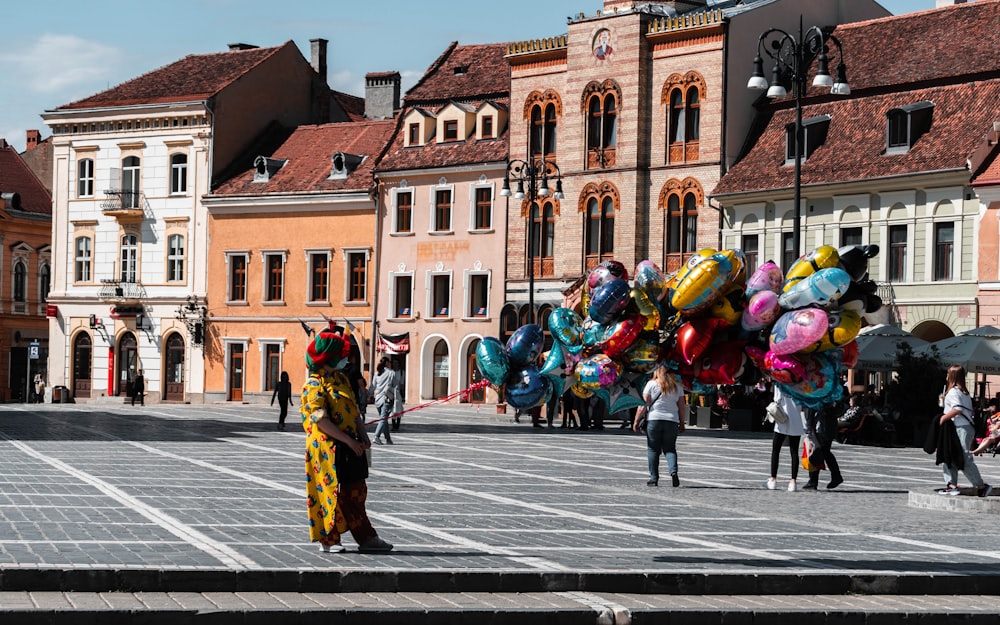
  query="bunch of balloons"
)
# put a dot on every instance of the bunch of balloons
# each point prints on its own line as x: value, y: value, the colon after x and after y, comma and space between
x: 709, y: 323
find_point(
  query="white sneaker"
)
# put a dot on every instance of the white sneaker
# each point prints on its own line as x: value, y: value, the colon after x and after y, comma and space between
x: 771, y: 483
x: 791, y: 486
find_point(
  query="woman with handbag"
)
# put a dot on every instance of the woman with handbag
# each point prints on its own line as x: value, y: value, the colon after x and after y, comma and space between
x: 791, y: 428
x: 336, y: 441
x: 958, y: 408
x: 664, y: 416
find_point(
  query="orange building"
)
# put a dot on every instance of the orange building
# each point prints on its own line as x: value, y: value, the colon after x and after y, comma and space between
x: 292, y: 244
x: 25, y: 277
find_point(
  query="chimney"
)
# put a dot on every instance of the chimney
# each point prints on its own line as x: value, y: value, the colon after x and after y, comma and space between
x: 241, y: 46
x: 318, y: 48
x: 382, y: 94
x: 31, y: 140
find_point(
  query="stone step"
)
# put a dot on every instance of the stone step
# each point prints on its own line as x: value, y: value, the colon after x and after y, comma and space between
x: 570, y: 608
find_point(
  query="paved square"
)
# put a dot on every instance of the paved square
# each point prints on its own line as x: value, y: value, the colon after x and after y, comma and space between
x: 218, y: 488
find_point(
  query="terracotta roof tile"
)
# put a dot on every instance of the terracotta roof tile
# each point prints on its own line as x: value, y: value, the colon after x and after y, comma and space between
x: 195, y: 77
x: 891, y: 62
x: 923, y: 46
x: 308, y: 151
x: 990, y: 175
x: 467, y: 76
x: 856, y: 140
x: 352, y: 105
x: 464, y: 72
x: 17, y: 177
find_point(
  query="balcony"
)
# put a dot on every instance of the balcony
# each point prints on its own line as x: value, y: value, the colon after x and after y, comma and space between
x: 125, y: 206
x: 114, y: 290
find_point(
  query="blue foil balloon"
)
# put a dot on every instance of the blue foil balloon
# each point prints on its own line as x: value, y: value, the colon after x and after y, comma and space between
x: 565, y: 326
x: 491, y: 358
x: 528, y: 388
x: 525, y: 346
x: 608, y: 300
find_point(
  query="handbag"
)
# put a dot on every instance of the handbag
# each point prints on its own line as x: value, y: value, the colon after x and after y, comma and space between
x: 775, y: 414
x: 351, y: 468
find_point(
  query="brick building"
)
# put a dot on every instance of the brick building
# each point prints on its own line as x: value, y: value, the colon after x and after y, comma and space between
x: 642, y: 106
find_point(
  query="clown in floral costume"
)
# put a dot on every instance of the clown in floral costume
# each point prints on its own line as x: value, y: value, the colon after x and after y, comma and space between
x: 330, y: 417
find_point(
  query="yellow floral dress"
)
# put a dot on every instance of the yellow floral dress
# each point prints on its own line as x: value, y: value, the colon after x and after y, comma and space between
x: 325, y: 396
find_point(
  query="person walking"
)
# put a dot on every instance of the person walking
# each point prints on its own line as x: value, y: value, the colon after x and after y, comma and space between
x: 822, y: 428
x: 791, y: 429
x: 958, y: 409
x: 283, y: 393
x: 385, y: 398
x: 397, y: 402
x: 334, y: 428
x: 664, y: 412
x: 139, y: 388
x: 39, y: 388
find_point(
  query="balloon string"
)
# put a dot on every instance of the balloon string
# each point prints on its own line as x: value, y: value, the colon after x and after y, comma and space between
x: 439, y: 400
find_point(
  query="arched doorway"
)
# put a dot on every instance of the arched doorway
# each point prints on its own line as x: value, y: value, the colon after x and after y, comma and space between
x: 127, y: 362
x: 173, y: 385
x: 473, y: 375
x: 441, y: 370
x: 83, y: 364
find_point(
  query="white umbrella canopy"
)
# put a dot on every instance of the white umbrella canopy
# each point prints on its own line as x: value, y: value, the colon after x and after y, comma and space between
x: 877, y: 346
x: 978, y: 350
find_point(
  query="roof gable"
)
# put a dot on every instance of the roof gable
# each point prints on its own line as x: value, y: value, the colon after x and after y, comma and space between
x: 17, y: 177
x: 462, y: 73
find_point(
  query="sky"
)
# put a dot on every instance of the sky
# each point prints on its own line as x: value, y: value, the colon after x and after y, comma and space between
x: 58, y: 51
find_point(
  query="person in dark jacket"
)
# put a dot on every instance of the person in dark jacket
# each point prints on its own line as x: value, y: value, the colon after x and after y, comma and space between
x: 283, y: 393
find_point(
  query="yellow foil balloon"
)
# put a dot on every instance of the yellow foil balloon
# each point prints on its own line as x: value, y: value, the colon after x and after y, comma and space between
x: 844, y: 326
x: 823, y: 257
x: 701, y: 282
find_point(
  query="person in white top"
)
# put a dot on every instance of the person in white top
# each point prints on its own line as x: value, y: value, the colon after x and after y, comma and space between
x: 958, y: 408
x: 791, y: 429
x: 665, y: 420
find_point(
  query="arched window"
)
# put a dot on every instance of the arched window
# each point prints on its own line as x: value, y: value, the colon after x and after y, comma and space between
x: 178, y: 173
x: 20, y: 281
x: 679, y: 201
x: 600, y: 107
x: 542, y: 112
x: 508, y: 322
x: 682, y: 96
x: 130, y: 182
x: 599, y: 202
x: 44, y: 282
x: 542, y: 239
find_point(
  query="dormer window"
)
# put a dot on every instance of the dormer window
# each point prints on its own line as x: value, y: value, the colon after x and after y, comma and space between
x: 906, y: 124
x: 414, y: 134
x: 451, y: 130
x: 813, y: 136
x: 265, y: 168
x: 487, y: 127
x: 344, y: 164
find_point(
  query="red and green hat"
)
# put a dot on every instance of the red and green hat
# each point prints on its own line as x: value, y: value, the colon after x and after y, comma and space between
x: 328, y: 348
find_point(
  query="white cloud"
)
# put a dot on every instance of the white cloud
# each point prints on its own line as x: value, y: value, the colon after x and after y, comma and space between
x: 58, y: 63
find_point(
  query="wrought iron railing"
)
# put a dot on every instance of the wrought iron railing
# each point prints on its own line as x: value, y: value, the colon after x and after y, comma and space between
x: 117, y: 200
x: 113, y: 289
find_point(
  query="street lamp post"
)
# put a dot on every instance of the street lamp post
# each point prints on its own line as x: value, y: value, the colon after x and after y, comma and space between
x: 792, y: 56
x: 534, y: 173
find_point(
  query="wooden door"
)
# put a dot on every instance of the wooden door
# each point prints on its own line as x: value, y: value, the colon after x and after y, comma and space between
x: 173, y: 389
x: 235, y: 373
x: 128, y: 355
x: 477, y: 396
x: 83, y: 363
